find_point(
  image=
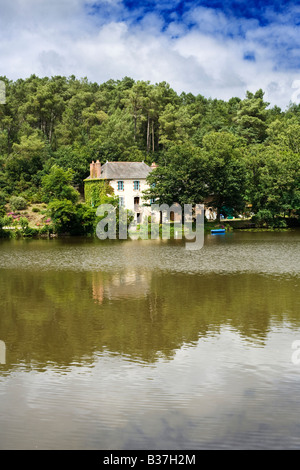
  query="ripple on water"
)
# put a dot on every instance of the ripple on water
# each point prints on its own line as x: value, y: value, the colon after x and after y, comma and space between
x: 247, y: 254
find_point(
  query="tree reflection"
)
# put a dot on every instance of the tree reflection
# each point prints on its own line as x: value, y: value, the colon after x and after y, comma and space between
x: 66, y: 317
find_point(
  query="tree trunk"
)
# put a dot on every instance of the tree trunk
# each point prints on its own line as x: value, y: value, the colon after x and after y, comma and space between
x: 148, y: 134
x: 135, y: 119
x: 153, y: 143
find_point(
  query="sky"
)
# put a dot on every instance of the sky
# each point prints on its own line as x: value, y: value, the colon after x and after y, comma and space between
x: 212, y: 48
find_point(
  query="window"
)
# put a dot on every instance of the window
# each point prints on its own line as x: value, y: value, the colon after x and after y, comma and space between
x: 120, y: 185
x: 136, y: 185
x: 121, y: 201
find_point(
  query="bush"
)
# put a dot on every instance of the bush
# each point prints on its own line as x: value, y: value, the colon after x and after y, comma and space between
x: 18, y: 203
x: 57, y: 185
x: 23, y: 222
x: 263, y: 217
x: 3, y: 198
x: 280, y: 223
x: 63, y: 215
x: 46, y: 230
x: 74, y: 219
x: 7, y: 221
x: 3, y: 233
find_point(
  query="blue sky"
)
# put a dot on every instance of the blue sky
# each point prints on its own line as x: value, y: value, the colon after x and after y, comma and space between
x: 217, y: 49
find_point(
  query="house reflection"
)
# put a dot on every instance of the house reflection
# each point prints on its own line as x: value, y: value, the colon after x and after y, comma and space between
x: 124, y: 285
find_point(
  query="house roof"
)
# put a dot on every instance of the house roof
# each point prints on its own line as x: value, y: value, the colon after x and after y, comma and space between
x: 124, y: 170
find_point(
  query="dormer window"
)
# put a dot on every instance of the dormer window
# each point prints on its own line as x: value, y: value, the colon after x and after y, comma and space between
x: 120, y: 185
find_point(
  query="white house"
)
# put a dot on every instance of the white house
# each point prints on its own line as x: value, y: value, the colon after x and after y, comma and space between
x: 128, y: 180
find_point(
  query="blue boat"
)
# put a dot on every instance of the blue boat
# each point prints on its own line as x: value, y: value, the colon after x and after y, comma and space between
x: 218, y: 230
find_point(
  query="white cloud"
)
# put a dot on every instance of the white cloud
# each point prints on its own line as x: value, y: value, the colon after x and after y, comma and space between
x: 101, y: 40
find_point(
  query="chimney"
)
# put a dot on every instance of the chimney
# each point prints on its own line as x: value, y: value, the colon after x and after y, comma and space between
x: 98, y: 169
x: 92, y: 169
x: 153, y: 165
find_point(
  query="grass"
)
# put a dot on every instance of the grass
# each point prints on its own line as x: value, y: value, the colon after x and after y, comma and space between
x: 35, y: 218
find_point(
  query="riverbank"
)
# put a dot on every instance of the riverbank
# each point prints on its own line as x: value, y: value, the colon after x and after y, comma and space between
x: 34, y: 222
x: 252, y: 224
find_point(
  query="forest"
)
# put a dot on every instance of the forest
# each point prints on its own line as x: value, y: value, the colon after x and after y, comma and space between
x: 240, y: 153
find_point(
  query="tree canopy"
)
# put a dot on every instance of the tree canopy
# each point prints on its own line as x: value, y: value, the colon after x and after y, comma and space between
x: 234, y: 152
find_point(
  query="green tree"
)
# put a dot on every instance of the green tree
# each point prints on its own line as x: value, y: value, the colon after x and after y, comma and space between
x: 58, y: 185
x: 225, y: 171
x: 273, y: 179
x: 285, y: 132
x: 17, y: 203
x: 25, y: 161
x: 251, y: 117
x: 174, y: 124
x: 134, y: 102
x: 179, y: 178
x: 63, y: 214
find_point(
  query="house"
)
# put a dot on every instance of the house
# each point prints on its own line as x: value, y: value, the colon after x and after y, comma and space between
x: 127, y: 181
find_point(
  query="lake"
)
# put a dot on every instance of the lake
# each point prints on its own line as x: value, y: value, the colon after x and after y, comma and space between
x: 147, y: 345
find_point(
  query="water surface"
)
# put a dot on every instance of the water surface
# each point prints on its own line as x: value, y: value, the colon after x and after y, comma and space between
x: 147, y: 345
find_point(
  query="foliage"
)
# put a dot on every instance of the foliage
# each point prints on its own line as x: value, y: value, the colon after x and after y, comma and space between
x: 190, y: 175
x: 232, y: 152
x: 179, y: 178
x: 70, y: 218
x: 3, y: 198
x: 251, y: 117
x: 273, y: 179
x: 57, y: 185
x: 97, y: 192
x: 17, y: 203
x: 224, y: 171
x: 63, y: 215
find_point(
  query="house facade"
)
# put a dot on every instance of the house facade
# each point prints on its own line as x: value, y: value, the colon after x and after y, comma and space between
x: 127, y: 181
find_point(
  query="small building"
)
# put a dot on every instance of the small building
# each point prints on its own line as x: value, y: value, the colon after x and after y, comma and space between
x: 126, y: 180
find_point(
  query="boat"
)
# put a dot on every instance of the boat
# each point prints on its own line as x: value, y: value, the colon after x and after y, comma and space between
x: 218, y: 230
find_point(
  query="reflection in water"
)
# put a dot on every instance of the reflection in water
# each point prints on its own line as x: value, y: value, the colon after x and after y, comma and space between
x: 64, y: 317
x: 130, y: 351
x: 122, y: 285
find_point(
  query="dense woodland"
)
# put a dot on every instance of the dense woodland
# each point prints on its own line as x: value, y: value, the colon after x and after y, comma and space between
x: 236, y: 152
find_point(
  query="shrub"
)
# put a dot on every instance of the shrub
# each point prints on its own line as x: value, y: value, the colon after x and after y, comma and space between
x: 46, y: 230
x: 2, y: 198
x: 7, y: 220
x: 263, y: 217
x: 57, y: 185
x: 23, y: 222
x: 75, y: 219
x: 280, y: 223
x: 18, y: 203
x: 63, y: 215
